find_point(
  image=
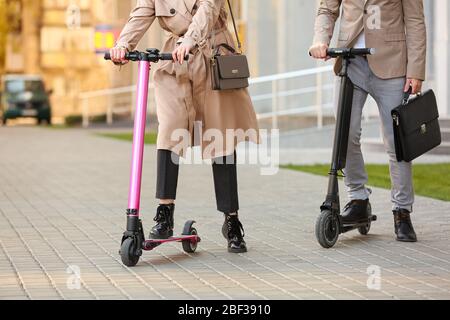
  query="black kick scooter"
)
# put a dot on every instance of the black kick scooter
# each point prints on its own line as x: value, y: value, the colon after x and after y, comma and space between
x: 329, y: 225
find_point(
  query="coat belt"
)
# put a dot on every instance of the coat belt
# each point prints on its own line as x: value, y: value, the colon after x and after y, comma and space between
x: 211, y: 34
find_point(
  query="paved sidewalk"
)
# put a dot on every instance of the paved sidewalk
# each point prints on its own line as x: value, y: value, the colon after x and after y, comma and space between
x: 62, y: 204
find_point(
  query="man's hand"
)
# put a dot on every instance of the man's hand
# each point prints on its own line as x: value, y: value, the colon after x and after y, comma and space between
x: 415, y: 84
x: 118, y: 55
x: 181, y: 52
x: 319, y: 51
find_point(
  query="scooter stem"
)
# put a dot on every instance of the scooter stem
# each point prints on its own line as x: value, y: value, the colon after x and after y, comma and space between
x: 134, y: 197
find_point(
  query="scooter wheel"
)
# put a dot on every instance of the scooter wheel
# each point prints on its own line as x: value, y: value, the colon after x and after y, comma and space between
x: 128, y: 253
x: 327, y: 229
x: 188, y: 245
x: 364, y: 231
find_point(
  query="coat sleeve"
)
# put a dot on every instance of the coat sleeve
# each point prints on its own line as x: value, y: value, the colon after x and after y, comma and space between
x: 416, y: 38
x: 203, y: 22
x: 141, y: 18
x: 328, y: 13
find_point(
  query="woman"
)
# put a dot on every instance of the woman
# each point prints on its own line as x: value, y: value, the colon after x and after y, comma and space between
x: 186, y: 103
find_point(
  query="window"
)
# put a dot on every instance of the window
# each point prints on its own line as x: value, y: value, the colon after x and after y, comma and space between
x: 17, y: 86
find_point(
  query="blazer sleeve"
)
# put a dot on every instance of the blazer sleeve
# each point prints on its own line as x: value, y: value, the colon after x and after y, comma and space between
x: 203, y: 22
x: 416, y: 38
x: 141, y: 18
x: 328, y: 13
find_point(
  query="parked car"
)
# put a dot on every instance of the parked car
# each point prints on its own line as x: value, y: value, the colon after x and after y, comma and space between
x: 24, y: 96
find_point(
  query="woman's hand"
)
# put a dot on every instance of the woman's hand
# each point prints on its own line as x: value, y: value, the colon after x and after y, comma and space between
x: 181, y: 52
x: 319, y: 51
x: 118, y: 55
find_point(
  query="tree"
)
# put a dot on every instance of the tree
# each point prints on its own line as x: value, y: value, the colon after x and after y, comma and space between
x: 10, y: 22
x: 3, y: 33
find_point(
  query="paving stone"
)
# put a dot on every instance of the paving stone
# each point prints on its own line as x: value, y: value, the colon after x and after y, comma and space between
x: 63, y: 197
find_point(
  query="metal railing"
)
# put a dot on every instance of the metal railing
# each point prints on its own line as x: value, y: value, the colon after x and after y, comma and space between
x: 279, y: 101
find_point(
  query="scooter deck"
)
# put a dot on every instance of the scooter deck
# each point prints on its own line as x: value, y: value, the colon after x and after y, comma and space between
x: 350, y: 227
x: 153, y: 243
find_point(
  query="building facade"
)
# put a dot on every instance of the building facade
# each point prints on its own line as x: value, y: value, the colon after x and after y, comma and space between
x: 59, y: 39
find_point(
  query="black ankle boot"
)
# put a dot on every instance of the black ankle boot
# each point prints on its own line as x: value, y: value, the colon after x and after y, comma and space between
x: 356, y: 211
x: 233, y: 231
x: 165, y: 222
x: 403, y: 226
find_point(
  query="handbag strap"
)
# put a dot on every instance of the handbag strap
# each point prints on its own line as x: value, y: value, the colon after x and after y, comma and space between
x: 226, y: 46
x: 235, y: 28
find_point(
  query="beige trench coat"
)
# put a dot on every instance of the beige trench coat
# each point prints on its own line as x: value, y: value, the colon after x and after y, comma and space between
x: 185, y: 101
x: 395, y: 28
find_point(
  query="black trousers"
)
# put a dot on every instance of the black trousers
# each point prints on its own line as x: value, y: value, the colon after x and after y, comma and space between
x: 225, y: 180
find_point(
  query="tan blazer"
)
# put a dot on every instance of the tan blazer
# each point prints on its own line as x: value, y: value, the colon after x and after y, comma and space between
x: 184, y: 96
x: 399, y: 35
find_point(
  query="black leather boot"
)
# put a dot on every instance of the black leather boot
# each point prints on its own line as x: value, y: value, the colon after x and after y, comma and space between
x: 233, y: 231
x: 356, y: 211
x: 165, y: 222
x: 404, y: 228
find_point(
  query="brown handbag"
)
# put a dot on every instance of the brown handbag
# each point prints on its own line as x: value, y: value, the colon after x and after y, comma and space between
x: 229, y: 71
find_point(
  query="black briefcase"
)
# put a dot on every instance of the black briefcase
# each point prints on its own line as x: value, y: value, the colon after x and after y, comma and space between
x: 416, y: 126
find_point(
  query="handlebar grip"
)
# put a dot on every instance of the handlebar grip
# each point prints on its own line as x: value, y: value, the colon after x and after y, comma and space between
x: 128, y: 56
x: 363, y: 51
x: 346, y: 52
x: 168, y: 57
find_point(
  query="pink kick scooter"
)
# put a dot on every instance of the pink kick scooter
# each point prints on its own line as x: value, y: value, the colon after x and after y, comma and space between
x: 133, y: 241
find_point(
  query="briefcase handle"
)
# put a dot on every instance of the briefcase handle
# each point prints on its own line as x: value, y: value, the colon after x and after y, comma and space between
x: 407, y: 96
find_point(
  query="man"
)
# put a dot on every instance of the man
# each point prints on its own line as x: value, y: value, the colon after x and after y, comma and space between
x: 396, y: 29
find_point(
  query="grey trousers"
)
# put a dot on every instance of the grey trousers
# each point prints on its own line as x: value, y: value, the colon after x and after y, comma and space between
x: 388, y: 94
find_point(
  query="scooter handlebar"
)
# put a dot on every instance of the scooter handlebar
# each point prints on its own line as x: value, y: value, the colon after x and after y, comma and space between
x: 108, y: 56
x: 347, y: 52
x: 136, y: 56
x: 168, y: 57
